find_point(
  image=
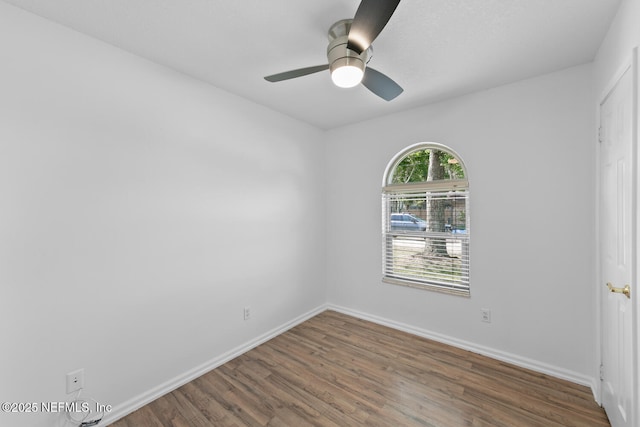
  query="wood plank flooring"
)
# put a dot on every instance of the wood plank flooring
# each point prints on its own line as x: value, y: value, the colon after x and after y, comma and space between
x: 335, y: 370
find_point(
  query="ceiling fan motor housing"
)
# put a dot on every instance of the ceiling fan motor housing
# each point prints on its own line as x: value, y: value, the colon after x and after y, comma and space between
x: 337, y: 52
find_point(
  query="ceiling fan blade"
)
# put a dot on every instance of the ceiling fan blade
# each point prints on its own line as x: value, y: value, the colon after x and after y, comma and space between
x: 296, y: 73
x: 380, y: 84
x: 370, y: 19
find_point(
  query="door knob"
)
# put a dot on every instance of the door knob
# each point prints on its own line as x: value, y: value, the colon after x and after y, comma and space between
x: 626, y: 291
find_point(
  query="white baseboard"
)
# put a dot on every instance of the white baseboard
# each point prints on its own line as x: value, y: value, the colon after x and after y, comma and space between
x: 523, y: 362
x: 139, y: 401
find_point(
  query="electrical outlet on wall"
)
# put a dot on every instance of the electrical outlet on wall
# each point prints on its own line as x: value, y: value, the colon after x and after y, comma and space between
x: 75, y: 380
x: 247, y: 313
x: 485, y: 314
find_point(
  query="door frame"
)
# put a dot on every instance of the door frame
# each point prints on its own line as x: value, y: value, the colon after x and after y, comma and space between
x: 631, y: 65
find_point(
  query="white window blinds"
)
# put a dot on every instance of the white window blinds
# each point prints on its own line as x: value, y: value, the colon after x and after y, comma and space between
x: 426, y: 235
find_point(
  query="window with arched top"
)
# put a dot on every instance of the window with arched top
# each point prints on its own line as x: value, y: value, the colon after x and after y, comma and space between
x: 425, y: 219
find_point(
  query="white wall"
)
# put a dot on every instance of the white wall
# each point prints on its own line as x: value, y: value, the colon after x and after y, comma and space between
x: 528, y: 150
x: 140, y: 210
x: 623, y: 36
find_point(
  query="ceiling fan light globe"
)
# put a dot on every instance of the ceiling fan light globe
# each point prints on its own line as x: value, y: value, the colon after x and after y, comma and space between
x: 347, y: 76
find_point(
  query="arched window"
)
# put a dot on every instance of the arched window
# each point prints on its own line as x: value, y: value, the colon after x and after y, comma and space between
x: 425, y: 219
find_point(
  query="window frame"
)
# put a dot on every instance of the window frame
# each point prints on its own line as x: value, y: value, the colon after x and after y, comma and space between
x: 459, y: 186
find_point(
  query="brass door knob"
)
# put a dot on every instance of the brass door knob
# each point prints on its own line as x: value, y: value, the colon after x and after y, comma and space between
x: 626, y: 291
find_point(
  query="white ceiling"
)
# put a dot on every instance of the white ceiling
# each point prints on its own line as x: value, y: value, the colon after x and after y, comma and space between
x: 435, y: 49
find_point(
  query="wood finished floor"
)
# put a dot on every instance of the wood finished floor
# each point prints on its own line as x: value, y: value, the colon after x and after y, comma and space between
x: 335, y: 370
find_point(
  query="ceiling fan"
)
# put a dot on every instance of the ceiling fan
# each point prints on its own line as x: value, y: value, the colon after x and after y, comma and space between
x: 350, y: 50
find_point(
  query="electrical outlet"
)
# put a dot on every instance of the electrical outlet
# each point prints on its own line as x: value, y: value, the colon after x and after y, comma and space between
x: 75, y: 380
x: 485, y: 314
x: 247, y: 313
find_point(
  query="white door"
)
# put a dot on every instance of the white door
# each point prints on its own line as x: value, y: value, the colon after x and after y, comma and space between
x: 617, y: 258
